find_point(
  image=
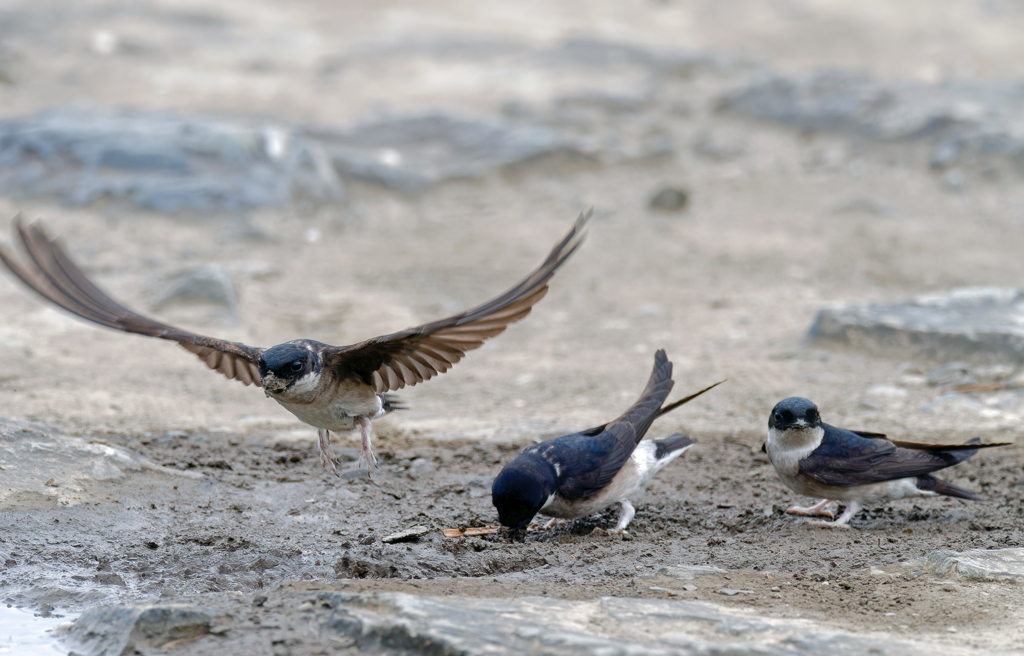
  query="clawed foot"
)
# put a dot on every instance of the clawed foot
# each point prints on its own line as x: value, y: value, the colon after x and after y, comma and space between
x: 327, y: 457
x: 366, y: 456
x: 367, y: 451
x: 852, y: 507
x: 806, y: 512
x: 555, y: 522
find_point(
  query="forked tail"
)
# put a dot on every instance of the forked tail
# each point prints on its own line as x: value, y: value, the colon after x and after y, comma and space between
x: 931, y: 484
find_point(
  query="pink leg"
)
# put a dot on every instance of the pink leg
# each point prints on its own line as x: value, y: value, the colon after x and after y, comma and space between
x: 367, y: 452
x: 326, y: 452
x: 812, y: 511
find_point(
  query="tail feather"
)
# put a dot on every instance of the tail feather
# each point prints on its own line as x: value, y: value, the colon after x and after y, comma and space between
x: 646, y: 409
x: 390, y: 403
x: 931, y: 484
x: 671, y: 444
x: 675, y: 404
x: 957, y: 452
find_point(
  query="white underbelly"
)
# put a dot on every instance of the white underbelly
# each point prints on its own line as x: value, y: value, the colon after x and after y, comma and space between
x: 325, y: 416
x: 868, y: 493
x: 626, y: 483
x: 340, y: 407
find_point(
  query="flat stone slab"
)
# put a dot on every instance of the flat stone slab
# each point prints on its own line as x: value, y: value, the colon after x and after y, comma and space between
x: 979, y: 564
x: 410, y: 534
x: 965, y: 121
x: 41, y: 464
x: 982, y: 325
x: 160, y: 161
x: 403, y: 623
x: 142, y: 629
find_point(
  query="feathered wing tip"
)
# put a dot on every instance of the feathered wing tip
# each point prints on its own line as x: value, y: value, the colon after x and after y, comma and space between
x: 646, y: 408
x: 673, y: 443
x: 931, y: 484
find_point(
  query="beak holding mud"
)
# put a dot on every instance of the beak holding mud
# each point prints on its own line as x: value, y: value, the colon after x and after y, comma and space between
x: 272, y: 384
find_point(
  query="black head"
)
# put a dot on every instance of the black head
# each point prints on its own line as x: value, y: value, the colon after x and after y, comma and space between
x: 521, y: 490
x: 794, y: 412
x: 282, y: 365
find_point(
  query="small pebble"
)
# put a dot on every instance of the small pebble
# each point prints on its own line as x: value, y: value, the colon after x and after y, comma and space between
x: 669, y: 199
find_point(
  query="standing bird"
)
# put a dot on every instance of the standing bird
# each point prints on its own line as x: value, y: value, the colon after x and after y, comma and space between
x: 333, y: 388
x: 818, y: 460
x: 575, y: 475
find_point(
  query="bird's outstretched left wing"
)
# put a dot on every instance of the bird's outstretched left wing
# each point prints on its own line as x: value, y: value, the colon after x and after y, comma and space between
x: 52, y: 274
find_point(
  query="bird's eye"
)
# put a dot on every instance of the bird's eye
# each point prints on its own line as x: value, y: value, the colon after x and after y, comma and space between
x: 778, y: 416
x: 296, y: 366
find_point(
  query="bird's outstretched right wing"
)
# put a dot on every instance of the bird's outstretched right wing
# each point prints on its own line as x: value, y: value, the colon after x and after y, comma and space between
x: 417, y: 354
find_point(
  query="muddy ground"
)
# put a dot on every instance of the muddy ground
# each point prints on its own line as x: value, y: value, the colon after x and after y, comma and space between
x: 263, y: 515
x: 779, y: 221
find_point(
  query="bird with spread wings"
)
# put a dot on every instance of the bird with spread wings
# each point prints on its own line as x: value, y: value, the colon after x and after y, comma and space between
x: 333, y: 388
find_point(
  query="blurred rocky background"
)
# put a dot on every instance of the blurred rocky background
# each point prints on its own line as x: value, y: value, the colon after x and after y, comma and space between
x: 815, y: 198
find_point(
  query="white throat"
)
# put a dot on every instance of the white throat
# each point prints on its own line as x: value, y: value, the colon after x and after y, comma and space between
x: 306, y: 384
x: 786, y: 448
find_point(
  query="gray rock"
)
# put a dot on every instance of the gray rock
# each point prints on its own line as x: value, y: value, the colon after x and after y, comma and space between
x: 730, y: 592
x: 411, y: 153
x: 411, y: 534
x: 206, y: 284
x: 979, y: 564
x: 420, y: 468
x: 965, y: 120
x: 32, y: 455
x: 949, y: 375
x: 689, y: 572
x: 353, y: 474
x: 160, y: 161
x: 953, y: 403
x: 980, y: 325
x: 454, y: 625
x: 124, y: 630
x: 669, y: 199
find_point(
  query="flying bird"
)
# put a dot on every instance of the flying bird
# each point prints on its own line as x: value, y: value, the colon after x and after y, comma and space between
x: 332, y: 388
x: 579, y: 474
x: 856, y: 467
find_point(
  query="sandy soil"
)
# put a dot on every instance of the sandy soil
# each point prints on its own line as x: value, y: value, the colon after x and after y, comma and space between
x: 728, y: 288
